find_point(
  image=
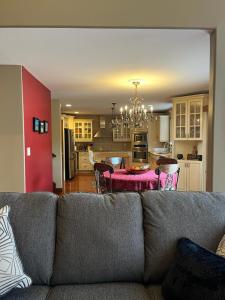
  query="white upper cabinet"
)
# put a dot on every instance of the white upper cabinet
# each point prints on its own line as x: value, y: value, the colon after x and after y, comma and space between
x: 180, y: 119
x: 83, y: 130
x: 164, y: 133
x: 187, y: 114
x: 121, y: 134
x: 195, y: 119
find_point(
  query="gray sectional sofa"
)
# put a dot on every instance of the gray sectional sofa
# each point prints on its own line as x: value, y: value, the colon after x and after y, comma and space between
x: 104, y: 247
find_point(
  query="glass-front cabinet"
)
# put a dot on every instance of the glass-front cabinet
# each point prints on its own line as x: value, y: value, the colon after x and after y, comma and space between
x: 83, y: 130
x: 121, y: 134
x: 180, y: 119
x: 188, y: 117
x: 195, y: 119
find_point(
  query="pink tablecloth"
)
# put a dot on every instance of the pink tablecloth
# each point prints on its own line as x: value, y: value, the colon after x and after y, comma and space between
x: 122, y: 181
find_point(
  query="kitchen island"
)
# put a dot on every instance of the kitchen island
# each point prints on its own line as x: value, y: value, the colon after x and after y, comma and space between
x: 84, y: 164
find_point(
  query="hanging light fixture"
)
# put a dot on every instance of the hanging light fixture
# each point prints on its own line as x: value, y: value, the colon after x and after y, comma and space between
x: 115, y: 122
x: 136, y: 115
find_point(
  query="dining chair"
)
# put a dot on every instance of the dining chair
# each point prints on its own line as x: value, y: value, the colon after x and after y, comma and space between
x: 170, y: 167
x: 116, y: 161
x: 101, y: 184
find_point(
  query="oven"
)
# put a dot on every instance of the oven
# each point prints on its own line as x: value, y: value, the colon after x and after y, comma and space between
x: 140, y: 146
x: 140, y: 154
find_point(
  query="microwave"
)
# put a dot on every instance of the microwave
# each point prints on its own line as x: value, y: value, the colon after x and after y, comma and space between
x: 140, y: 138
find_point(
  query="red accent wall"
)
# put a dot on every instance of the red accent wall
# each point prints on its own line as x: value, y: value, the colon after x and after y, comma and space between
x: 37, y: 103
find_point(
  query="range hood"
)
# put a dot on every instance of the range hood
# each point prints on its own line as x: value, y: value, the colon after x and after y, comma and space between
x: 103, y: 132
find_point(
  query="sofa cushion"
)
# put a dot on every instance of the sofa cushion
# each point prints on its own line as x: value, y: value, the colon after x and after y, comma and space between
x: 99, y: 239
x: 34, y: 292
x: 169, y: 216
x: 33, y: 218
x: 105, y: 291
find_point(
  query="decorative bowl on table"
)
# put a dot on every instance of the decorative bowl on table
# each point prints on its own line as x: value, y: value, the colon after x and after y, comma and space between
x: 135, y: 170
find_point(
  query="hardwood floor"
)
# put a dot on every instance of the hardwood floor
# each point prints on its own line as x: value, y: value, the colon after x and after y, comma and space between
x: 81, y: 183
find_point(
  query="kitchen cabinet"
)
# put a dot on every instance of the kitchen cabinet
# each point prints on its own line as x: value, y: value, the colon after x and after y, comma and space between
x: 164, y: 129
x: 84, y: 162
x: 83, y: 130
x: 191, y: 176
x: 121, y: 134
x: 187, y: 115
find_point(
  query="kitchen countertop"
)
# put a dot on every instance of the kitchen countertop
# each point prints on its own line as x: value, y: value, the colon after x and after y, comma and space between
x: 160, y: 154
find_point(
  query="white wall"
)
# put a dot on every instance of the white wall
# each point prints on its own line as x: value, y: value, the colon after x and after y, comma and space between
x: 11, y: 131
x: 144, y: 13
x: 56, y: 143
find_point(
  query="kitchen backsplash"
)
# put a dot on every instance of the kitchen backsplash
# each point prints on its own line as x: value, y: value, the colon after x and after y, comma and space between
x: 105, y: 144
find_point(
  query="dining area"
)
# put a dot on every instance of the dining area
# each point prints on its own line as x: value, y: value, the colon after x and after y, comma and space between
x: 113, y: 175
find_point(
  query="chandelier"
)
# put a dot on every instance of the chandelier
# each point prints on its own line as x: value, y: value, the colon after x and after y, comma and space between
x: 136, y: 115
x: 115, y: 122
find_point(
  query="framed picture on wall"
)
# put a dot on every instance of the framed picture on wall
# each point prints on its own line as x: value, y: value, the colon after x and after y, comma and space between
x: 42, y: 127
x: 46, y: 126
x: 36, y: 124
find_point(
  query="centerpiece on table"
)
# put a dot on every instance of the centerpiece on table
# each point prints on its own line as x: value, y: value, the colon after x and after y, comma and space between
x: 138, y: 169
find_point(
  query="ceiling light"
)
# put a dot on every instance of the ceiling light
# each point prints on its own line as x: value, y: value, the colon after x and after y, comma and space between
x: 76, y: 112
x: 68, y: 105
x: 135, y: 115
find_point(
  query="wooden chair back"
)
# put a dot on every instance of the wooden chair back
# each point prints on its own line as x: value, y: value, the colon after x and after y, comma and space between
x: 101, y: 185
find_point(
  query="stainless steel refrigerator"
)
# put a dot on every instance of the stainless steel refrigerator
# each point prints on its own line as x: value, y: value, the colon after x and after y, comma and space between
x: 70, y: 154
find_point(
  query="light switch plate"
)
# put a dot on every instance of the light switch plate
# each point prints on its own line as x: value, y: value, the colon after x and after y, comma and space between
x: 28, y: 151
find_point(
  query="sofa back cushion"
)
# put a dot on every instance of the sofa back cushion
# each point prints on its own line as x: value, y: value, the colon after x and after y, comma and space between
x: 99, y: 239
x: 33, y: 220
x: 169, y: 216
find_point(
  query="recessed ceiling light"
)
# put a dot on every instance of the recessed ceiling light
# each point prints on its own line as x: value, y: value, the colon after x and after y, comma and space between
x: 68, y: 105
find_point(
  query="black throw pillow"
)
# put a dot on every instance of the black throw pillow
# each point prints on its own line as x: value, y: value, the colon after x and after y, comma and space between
x: 197, y: 274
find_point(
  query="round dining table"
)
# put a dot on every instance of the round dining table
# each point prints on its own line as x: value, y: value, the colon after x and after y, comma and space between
x: 123, y: 181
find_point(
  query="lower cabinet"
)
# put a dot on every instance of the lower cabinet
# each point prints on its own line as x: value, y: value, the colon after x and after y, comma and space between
x: 191, y: 176
x: 84, y: 162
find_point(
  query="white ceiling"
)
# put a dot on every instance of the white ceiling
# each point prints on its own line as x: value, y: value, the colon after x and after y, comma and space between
x: 90, y: 68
